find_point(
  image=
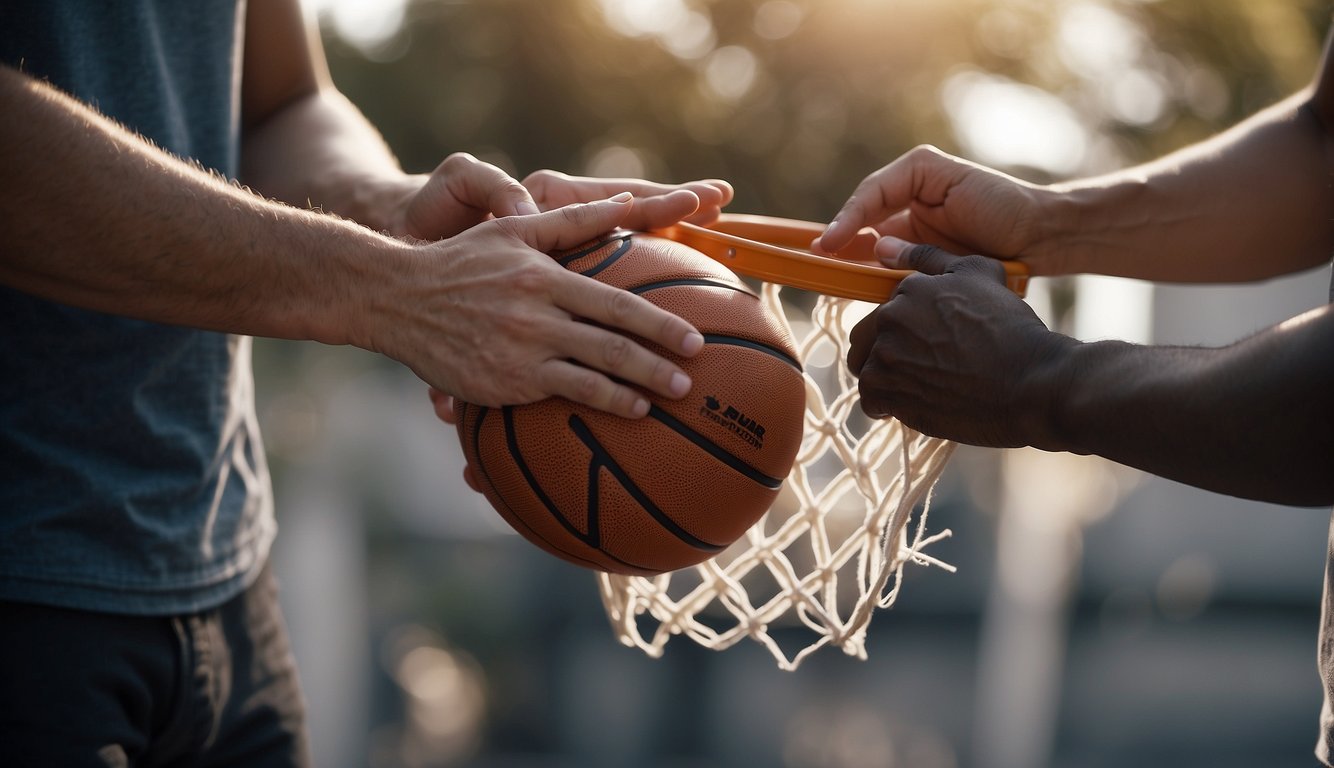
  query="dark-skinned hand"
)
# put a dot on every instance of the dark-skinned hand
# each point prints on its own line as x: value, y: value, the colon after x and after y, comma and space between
x: 955, y: 354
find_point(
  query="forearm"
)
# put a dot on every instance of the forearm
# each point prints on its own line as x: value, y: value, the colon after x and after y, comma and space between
x: 1252, y: 203
x: 96, y: 217
x: 302, y: 142
x: 1255, y: 419
x: 320, y: 152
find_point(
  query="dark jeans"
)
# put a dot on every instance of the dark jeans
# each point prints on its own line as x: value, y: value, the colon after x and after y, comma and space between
x: 217, y: 688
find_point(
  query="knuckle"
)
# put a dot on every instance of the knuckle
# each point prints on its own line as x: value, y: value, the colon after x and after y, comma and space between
x: 924, y: 152
x: 586, y: 386
x: 576, y: 215
x: 540, y: 177
x: 531, y: 277
x: 984, y: 266
x: 908, y: 285
x: 616, y: 351
x: 509, y: 226
x: 922, y: 253
x: 886, y: 320
x: 457, y: 159
x: 512, y: 326
x: 620, y: 306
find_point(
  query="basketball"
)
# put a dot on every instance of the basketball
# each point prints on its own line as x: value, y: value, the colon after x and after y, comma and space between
x: 676, y: 487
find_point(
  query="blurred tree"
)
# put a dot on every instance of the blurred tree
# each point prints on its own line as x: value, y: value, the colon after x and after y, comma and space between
x: 795, y: 100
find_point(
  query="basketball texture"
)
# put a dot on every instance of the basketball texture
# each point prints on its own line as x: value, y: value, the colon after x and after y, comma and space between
x: 645, y: 496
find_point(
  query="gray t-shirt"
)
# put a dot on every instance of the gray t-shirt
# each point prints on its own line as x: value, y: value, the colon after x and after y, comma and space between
x: 132, y: 478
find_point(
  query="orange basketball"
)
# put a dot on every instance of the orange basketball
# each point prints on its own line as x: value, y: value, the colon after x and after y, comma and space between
x: 645, y: 496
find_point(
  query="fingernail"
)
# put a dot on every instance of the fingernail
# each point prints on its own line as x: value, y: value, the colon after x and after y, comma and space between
x: 526, y: 209
x: 680, y: 384
x: 692, y: 343
x: 640, y: 409
x: 624, y: 197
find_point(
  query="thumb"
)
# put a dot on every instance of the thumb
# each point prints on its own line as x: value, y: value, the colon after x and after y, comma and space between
x: 572, y: 225
x: 928, y: 259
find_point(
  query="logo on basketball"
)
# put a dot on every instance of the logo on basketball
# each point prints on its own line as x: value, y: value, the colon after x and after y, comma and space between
x: 733, y: 420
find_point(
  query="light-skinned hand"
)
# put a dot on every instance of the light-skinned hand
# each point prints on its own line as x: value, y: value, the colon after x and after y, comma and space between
x: 488, y: 316
x: 927, y: 196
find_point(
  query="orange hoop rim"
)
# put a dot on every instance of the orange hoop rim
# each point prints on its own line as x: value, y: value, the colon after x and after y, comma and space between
x: 776, y: 250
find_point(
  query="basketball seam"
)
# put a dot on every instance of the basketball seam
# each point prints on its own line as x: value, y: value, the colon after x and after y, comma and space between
x: 612, y: 258
x: 512, y: 441
x: 602, y: 458
x: 737, y: 341
x: 700, y: 282
x: 713, y: 449
x: 476, y: 438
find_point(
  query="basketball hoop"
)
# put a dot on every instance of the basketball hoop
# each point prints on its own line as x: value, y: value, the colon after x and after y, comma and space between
x: 853, y: 512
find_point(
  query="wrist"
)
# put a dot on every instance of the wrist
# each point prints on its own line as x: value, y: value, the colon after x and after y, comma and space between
x: 1050, y: 395
x: 378, y: 203
x: 1086, y: 226
x: 357, y: 268
x: 1062, y: 229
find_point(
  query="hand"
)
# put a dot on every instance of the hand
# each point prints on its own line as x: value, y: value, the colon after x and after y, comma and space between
x: 460, y: 193
x: 656, y: 205
x: 489, y: 317
x: 464, y: 191
x: 927, y: 196
x: 955, y: 354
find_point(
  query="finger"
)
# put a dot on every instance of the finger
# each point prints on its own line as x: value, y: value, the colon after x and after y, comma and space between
x: 866, y: 201
x: 923, y: 172
x: 626, y: 360
x: 714, y: 195
x: 461, y: 192
x: 570, y: 225
x: 614, y: 308
x: 661, y: 205
x: 927, y: 259
x: 661, y: 211
x: 931, y: 260
x: 916, y: 225
x: 443, y: 405
x: 862, y: 339
x: 875, y: 402
x: 591, y: 388
x: 483, y: 185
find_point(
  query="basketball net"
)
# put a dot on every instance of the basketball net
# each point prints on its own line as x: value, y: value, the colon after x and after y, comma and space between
x: 831, y: 549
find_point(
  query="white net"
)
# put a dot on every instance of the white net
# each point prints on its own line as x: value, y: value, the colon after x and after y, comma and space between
x: 832, y: 548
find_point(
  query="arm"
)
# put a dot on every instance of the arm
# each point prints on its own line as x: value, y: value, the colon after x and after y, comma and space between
x: 95, y: 217
x: 98, y: 218
x: 1251, y: 203
x: 1252, y: 419
x: 304, y: 143
x: 956, y: 355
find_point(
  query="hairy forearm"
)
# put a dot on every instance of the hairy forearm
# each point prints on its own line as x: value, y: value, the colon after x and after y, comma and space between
x: 93, y: 216
x: 1252, y: 203
x: 320, y: 152
x: 1254, y: 419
